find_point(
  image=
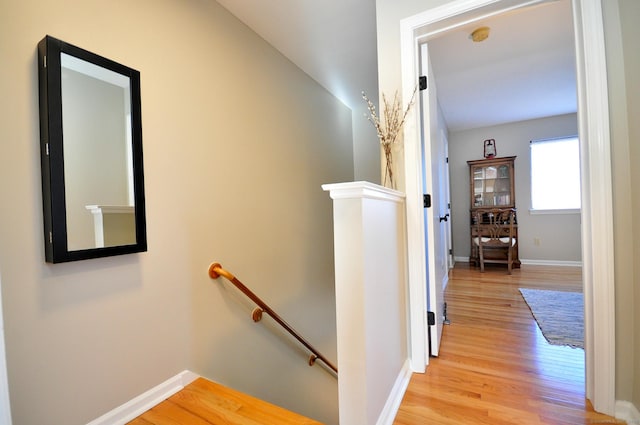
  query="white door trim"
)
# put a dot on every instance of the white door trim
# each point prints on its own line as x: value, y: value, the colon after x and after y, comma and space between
x: 597, y: 205
x: 5, y: 406
x: 597, y: 211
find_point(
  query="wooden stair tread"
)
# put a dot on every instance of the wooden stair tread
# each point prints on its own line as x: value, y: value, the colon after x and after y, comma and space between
x: 204, y: 403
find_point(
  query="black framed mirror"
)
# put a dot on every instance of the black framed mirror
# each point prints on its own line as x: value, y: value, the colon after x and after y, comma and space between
x: 91, y: 154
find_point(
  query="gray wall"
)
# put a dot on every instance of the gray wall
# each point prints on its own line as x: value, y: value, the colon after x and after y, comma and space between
x: 623, y: 67
x: 237, y: 142
x: 558, y: 234
x: 629, y: 15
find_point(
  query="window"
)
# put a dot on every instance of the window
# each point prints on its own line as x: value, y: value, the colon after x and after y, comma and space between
x: 555, y: 174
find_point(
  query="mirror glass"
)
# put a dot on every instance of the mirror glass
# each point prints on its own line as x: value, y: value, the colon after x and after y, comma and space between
x: 91, y: 154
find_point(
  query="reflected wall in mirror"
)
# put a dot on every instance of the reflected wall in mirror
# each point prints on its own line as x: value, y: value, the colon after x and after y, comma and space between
x: 91, y: 151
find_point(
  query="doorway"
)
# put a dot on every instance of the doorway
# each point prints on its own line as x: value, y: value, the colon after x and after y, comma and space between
x: 596, y: 229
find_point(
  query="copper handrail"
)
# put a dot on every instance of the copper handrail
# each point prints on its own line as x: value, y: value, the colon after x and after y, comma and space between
x: 216, y: 270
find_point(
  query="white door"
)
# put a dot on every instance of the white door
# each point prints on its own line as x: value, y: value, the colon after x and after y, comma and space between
x: 433, y: 159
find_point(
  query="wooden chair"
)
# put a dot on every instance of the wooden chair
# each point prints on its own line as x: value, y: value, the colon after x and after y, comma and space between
x: 494, y: 236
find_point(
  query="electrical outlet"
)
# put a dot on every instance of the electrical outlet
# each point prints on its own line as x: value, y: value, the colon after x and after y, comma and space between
x: 536, y: 241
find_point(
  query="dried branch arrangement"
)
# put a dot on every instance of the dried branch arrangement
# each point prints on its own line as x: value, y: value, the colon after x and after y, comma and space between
x: 389, y: 127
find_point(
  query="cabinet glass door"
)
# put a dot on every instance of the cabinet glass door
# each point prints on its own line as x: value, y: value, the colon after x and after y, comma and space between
x: 491, y: 186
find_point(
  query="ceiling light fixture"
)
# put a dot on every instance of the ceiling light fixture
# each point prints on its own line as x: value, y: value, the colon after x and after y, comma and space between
x: 480, y: 34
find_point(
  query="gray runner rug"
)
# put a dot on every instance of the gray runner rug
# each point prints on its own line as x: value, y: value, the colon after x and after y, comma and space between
x: 560, y: 315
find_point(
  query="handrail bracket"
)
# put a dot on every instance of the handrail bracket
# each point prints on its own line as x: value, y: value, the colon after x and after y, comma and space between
x: 256, y: 314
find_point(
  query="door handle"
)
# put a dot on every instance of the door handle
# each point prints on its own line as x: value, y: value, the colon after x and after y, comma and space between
x: 445, y: 218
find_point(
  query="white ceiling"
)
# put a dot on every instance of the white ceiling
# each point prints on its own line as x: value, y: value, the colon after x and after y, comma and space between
x: 524, y: 70
x: 333, y: 41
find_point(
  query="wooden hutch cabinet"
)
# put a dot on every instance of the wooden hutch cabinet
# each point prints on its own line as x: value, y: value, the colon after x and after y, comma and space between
x: 492, y: 186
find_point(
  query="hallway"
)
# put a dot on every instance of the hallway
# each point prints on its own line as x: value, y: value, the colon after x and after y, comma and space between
x: 495, y: 367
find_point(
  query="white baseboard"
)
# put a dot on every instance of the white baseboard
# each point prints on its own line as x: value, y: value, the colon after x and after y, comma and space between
x: 533, y: 262
x: 145, y: 401
x: 445, y: 281
x: 392, y: 405
x: 551, y: 263
x: 627, y: 412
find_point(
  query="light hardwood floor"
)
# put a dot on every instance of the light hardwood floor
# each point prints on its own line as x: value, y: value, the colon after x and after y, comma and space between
x: 206, y: 403
x: 495, y: 367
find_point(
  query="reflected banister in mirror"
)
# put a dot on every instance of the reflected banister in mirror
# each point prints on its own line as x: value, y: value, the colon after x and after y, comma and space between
x: 216, y: 270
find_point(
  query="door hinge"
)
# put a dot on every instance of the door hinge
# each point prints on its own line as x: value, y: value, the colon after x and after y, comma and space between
x: 450, y: 251
x: 447, y: 160
x: 422, y: 82
x: 431, y: 318
x: 426, y: 200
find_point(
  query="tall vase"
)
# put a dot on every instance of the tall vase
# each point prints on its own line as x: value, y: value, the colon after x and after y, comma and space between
x: 388, y: 180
